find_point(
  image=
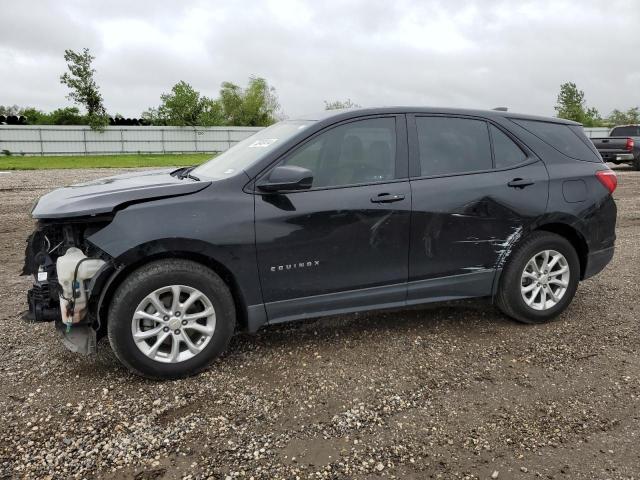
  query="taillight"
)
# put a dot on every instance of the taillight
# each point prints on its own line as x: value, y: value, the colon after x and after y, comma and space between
x: 629, y: 145
x: 608, y: 178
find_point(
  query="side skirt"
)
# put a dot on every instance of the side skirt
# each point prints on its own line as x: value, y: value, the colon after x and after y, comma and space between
x: 455, y: 287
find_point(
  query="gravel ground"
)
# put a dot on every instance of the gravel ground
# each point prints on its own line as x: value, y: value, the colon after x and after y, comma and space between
x: 448, y: 391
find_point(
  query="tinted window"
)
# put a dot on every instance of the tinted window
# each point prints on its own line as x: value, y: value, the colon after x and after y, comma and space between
x: 562, y: 138
x: 358, y: 152
x: 625, y: 132
x: 452, y: 145
x: 505, y: 151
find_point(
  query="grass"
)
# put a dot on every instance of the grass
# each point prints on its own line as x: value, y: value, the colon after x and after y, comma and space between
x: 15, y: 162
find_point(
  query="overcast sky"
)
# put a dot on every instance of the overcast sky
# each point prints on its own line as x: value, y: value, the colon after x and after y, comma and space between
x: 475, y: 53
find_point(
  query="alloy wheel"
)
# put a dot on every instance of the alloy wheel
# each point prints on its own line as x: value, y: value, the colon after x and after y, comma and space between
x: 173, y: 324
x: 545, y: 279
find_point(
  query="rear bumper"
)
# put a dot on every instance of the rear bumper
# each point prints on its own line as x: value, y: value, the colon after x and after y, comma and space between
x: 596, y: 261
x: 624, y: 157
x: 617, y: 157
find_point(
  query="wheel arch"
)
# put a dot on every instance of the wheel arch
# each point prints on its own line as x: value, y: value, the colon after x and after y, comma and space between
x: 154, y: 251
x: 563, y: 227
x: 573, y: 236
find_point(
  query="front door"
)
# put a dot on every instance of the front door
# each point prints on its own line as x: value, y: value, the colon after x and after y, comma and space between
x: 343, y: 243
x: 475, y: 190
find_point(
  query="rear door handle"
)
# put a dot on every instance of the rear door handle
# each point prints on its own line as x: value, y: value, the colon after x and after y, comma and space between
x: 520, y: 182
x: 387, y: 198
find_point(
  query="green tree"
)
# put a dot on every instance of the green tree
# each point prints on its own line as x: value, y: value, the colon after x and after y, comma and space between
x: 340, y: 104
x: 35, y: 116
x: 180, y: 107
x: 184, y: 106
x: 592, y: 118
x: 152, y: 116
x: 84, y: 89
x: 211, y: 113
x: 60, y: 116
x: 571, y: 105
x: 631, y: 116
x: 67, y: 116
x: 254, y: 106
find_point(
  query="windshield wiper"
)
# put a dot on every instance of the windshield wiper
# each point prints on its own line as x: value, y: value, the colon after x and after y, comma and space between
x: 185, y: 172
x: 188, y: 175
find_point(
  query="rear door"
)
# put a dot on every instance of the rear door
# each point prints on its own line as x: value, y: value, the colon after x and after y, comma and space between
x: 343, y: 244
x: 475, y: 189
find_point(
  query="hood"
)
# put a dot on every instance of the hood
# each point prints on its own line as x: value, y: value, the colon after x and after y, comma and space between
x: 105, y: 194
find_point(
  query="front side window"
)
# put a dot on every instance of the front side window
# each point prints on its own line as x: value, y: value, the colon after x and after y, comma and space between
x: 450, y: 145
x: 505, y: 151
x: 358, y: 152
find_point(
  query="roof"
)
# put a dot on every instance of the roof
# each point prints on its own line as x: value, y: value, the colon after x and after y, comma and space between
x: 358, y: 112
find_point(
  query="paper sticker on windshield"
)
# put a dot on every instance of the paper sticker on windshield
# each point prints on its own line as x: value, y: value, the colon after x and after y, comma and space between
x: 265, y: 142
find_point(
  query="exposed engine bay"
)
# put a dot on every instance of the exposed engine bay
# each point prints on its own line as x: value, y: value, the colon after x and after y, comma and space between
x: 63, y: 264
x: 70, y: 272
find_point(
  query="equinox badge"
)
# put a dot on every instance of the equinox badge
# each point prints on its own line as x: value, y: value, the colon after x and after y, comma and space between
x: 295, y: 266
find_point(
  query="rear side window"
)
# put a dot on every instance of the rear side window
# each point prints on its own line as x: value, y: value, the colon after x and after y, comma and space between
x: 561, y: 137
x: 506, y: 152
x: 629, y: 131
x: 452, y: 145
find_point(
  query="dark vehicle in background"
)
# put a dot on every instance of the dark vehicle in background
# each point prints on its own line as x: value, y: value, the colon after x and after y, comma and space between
x: 621, y: 146
x: 326, y: 214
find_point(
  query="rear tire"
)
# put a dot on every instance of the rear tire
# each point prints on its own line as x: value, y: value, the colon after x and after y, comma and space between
x: 170, y: 319
x: 525, y: 292
x: 636, y: 163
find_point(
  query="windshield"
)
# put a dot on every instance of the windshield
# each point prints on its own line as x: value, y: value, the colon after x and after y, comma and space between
x: 247, y: 152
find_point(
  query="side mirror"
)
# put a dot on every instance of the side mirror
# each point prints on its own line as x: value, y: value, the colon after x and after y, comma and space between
x: 287, y: 177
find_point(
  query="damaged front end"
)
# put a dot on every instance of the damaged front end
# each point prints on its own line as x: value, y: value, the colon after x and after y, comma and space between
x: 65, y: 266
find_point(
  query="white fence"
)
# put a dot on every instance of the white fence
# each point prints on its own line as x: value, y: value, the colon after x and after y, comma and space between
x: 81, y: 140
x: 593, y: 132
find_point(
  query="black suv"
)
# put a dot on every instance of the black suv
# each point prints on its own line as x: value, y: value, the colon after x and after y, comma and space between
x: 322, y: 215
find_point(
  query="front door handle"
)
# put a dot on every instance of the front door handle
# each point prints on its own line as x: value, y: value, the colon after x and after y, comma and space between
x: 520, y: 182
x: 387, y: 198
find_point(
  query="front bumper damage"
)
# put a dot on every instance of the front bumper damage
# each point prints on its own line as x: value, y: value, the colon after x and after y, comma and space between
x: 79, y: 338
x: 64, y: 286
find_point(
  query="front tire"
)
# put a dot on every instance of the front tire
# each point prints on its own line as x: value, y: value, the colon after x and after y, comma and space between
x: 170, y: 319
x: 540, y: 279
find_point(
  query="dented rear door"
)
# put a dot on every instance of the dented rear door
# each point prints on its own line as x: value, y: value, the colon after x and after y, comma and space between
x: 464, y: 224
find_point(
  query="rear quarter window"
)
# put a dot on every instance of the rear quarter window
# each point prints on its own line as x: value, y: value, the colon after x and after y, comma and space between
x: 506, y: 153
x: 561, y: 137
